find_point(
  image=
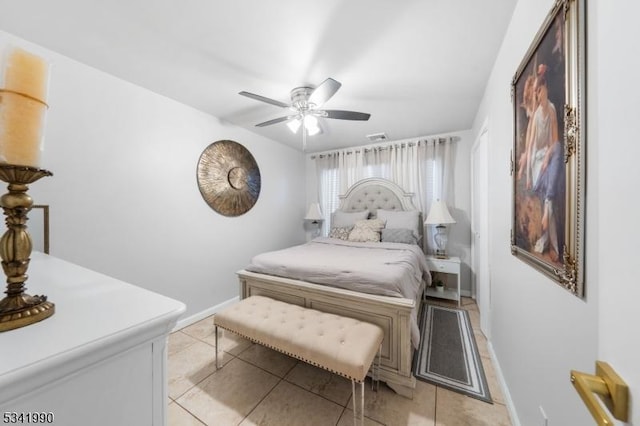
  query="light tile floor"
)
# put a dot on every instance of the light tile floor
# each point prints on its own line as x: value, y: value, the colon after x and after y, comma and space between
x: 258, y: 386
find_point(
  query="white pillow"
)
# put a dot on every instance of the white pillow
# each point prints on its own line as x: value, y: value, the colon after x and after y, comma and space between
x: 401, y: 219
x: 343, y: 219
x: 367, y: 231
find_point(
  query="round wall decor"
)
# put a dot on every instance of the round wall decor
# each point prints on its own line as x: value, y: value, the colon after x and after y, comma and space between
x: 228, y: 178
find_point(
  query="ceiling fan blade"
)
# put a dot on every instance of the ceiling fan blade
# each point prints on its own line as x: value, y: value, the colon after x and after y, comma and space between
x: 324, y: 92
x: 276, y: 121
x: 345, y: 115
x: 263, y: 99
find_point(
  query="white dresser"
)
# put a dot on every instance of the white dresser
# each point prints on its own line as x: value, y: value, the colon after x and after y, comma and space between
x: 101, y: 359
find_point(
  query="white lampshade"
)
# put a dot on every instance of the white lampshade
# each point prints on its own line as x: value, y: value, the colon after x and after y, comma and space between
x: 314, y: 213
x: 439, y: 214
x: 294, y: 125
x: 310, y: 124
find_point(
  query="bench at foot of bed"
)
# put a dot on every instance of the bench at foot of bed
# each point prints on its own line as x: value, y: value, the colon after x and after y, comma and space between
x: 392, y: 314
x: 341, y: 345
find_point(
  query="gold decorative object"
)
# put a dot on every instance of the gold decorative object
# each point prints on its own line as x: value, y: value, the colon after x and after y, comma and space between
x: 567, y: 276
x: 228, y: 178
x: 570, y: 131
x: 612, y: 390
x: 19, y: 309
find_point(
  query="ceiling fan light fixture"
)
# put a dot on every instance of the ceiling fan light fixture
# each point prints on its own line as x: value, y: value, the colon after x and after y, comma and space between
x: 305, y: 106
x: 311, y: 125
x: 294, y: 125
x: 310, y: 121
x: 312, y: 130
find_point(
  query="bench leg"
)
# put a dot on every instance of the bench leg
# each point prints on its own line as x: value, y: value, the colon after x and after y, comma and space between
x: 358, y: 402
x: 217, y: 364
x: 375, y: 376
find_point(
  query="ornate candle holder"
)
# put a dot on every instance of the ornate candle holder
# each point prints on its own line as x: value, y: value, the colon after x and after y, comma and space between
x: 19, y: 309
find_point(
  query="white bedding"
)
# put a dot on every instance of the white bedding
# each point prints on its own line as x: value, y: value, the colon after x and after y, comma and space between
x: 387, y: 269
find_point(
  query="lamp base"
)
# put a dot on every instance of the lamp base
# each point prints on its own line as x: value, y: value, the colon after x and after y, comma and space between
x: 20, y: 311
x: 440, y: 238
x: 441, y: 254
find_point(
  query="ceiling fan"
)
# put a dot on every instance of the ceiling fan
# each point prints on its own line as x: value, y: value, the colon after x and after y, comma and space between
x: 306, y: 103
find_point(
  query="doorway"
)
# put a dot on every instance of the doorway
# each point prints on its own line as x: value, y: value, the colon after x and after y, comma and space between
x: 481, y: 284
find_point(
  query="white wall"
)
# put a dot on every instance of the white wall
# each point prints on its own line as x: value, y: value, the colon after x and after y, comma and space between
x: 124, y: 198
x: 539, y: 330
x: 460, y: 234
x: 613, y: 96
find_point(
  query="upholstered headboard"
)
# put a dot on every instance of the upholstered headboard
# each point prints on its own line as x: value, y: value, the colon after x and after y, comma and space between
x: 377, y: 193
x: 373, y: 194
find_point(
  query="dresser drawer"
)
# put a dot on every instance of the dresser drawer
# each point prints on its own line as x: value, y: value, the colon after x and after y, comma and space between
x: 443, y: 265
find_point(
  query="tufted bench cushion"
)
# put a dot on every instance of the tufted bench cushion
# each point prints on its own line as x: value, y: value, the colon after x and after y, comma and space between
x: 344, y: 346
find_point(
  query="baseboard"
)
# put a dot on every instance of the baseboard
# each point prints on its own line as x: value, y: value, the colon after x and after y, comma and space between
x: 505, y: 389
x: 185, y: 322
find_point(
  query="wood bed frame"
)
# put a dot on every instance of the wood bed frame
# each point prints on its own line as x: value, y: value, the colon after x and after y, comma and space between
x: 393, y: 314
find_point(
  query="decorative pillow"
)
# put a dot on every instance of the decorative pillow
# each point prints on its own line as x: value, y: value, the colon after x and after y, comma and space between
x: 341, y: 233
x: 343, y: 219
x: 367, y: 231
x: 401, y: 220
x: 398, y: 235
x: 374, y: 224
x: 364, y: 235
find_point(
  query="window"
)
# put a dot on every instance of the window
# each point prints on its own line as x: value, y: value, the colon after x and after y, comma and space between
x: 419, y: 167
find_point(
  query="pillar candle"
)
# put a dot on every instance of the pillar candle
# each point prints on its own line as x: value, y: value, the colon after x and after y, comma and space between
x: 23, y: 94
x: 26, y: 73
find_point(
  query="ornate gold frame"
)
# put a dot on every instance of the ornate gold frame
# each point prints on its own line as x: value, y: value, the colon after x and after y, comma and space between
x: 567, y: 267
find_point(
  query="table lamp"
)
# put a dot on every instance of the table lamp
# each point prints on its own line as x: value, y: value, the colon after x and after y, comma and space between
x: 440, y: 217
x: 315, y: 216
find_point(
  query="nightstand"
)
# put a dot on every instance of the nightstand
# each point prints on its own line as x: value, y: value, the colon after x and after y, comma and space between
x: 450, y: 265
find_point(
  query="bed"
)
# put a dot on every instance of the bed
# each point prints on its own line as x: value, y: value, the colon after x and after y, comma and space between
x: 378, y: 282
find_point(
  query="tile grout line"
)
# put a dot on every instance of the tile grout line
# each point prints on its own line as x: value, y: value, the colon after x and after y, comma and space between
x: 263, y: 398
x: 208, y: 376
x: 190, y: 413
x: 284, y: 379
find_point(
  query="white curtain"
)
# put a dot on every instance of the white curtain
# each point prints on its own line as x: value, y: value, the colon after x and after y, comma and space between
x: 423, y: 167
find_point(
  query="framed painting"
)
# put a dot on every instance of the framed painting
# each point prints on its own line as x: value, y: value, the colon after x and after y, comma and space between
x: 548, y: 154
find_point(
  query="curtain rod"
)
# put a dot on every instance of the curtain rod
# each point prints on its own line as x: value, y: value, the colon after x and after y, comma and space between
x: 383, y: 147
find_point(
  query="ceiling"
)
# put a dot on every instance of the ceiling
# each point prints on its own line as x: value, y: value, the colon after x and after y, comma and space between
x: 419, y: 67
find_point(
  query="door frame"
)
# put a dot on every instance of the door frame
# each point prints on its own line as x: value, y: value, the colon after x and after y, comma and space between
x: 481, y: 143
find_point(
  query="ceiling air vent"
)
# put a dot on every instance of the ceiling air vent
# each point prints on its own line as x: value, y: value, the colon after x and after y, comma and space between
x: 377, y: 137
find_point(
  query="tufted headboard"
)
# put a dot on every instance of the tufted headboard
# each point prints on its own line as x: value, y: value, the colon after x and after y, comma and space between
x: 377, y: 193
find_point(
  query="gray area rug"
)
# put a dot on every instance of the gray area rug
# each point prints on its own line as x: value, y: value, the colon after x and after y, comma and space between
x: 448, y: 354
